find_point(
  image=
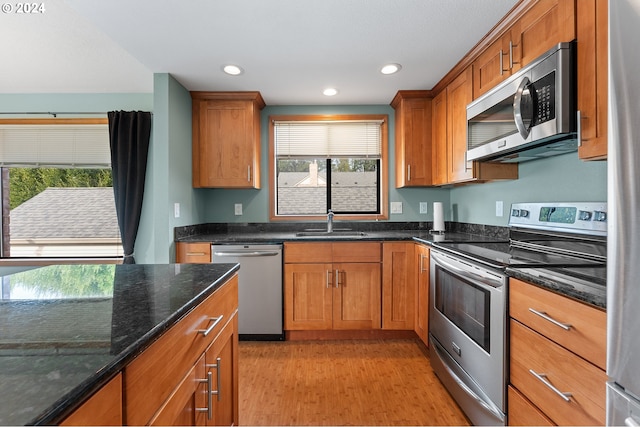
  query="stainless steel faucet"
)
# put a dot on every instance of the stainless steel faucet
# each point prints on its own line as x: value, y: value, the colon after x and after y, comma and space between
x: 330, y: 221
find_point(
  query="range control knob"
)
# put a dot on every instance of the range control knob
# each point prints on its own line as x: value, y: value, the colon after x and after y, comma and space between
x: 524, y: 213
x: 599, y: 216
x: 584, y: 215
x: 515, y: 212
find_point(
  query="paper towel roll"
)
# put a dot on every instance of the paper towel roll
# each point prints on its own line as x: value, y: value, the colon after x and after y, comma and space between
x: 438, y: 217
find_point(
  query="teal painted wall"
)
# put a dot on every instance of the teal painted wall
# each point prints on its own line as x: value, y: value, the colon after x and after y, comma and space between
x: 220, y: 203
x: 563, y: 178
x: 74, y: 102
x: 168, y: 179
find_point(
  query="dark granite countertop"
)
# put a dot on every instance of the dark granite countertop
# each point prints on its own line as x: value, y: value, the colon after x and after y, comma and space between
x: 68, y: 329
x: 274, y: 233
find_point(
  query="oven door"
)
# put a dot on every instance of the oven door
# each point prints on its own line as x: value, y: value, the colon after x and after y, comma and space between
x: 467, y: 321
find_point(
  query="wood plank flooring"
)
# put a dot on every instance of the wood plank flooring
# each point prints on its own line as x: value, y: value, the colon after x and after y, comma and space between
x: 354, y: 382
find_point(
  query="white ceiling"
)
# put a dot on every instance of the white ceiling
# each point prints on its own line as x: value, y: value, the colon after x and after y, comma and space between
x: 290, y: 49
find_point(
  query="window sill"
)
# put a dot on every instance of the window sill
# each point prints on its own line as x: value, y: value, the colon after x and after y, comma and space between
x: 40, y: 262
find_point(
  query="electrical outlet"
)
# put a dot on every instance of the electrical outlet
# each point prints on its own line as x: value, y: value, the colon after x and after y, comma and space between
x: 499, y: 208
x: 424, y: 207
x: 396, y: 207
x: 238, y: 208
x: 176, y: 210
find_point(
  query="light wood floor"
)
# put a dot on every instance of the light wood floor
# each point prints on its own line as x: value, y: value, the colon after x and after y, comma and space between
x: 359, y: 382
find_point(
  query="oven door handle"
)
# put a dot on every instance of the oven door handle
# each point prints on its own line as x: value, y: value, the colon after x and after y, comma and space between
x: 439, y: 260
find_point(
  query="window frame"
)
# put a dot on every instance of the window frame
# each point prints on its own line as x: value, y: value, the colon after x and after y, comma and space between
x: 383, y: 170
x: 42, y: 261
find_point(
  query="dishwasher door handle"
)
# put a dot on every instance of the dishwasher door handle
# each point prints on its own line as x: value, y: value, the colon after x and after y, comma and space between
x: 246, y: 254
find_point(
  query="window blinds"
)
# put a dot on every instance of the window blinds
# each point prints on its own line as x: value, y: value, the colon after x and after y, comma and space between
x: 68, y: 146
x: 328, y: 139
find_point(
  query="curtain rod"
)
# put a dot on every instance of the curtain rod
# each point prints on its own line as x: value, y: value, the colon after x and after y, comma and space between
x: 53, y: 114
x: 75, y: 113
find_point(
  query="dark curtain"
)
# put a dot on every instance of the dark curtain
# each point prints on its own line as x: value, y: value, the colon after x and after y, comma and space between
x: 129, y: 133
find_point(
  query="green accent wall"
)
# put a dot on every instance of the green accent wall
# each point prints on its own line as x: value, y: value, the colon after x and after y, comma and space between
x: 168, y: 178
x: 563, y: 178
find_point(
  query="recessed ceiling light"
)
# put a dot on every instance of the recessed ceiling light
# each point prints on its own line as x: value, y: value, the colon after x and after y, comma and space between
x: 233, y: 70
x: 391, y: 68
x: 330, y: 91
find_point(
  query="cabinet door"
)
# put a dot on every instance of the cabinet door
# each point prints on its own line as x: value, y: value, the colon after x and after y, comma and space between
x: 422, y: 295
x: 225, y: 151
x: 413, y: 142
x: 398, y: 286
x: 221, y: 360
x: 546, y: 24
x: 187, y: 404
x: 592, y: 38
x: 356, y: 296
x: 104, y: 408
x: 193, y: 252
x: 459, y: 94
x: 439, y: 158
x: 308, y: 294
x: 493, y: 65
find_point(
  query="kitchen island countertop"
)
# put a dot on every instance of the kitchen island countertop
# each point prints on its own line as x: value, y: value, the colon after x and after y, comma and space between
x: 68, y: 329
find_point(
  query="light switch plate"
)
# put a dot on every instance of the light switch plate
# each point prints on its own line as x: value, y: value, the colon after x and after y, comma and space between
x: 238, y: 208
x: 396, y: 207
x: 176, y: 210
x: 424, y: 207
x: 499, y: 208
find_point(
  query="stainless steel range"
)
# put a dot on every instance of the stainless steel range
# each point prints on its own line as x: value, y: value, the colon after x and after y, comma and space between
x: 562, y: 242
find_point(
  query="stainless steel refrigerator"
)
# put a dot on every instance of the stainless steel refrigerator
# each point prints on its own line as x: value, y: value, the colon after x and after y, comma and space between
x: 623, y: 264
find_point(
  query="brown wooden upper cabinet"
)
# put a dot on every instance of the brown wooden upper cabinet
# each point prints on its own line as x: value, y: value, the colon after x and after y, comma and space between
x: 413, y: 138
x: 440, y: 159
x: 450, y: 130
x: 592, y: 36
x: 226, y: 139
x: 541, y: 25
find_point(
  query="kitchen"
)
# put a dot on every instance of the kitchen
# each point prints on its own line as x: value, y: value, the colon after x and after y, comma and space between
x: 171, y: 104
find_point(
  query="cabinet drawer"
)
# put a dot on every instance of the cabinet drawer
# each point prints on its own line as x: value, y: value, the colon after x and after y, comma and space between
x: 357, y: 252
x: 587, y: 335
x: 152, y: 376
x: 193, y: 252
x: 531, y: 352
x: 521, y: 412
x: 295, y: 252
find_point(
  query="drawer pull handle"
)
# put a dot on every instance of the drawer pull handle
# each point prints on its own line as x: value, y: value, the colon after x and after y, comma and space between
x: 545, y: 316
x: 196, y: 254
x: 209, y: 408
x: 543, y: 378
x: 217, y: 392
x: 207, y: 331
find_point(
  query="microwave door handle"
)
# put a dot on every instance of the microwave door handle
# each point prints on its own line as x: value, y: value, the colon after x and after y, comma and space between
x: 517, y: 108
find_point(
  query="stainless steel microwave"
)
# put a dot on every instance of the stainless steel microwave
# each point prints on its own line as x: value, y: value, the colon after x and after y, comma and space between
x: 530, y: 115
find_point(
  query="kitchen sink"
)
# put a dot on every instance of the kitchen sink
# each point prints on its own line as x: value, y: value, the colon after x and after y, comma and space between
x: 330, y: 234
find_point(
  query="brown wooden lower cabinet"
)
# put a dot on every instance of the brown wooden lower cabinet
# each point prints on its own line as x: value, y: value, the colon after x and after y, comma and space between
x: 398, y: 285
x: 524, y: 413
x: 104, y: 408
x: 422, y: 295
x: 197, y: 252
x: 321, y: 293
x: 556, y: 359
x: 189, y: 376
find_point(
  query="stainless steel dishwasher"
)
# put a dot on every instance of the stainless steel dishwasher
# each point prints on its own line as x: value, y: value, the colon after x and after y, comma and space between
x: 259, y: 288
